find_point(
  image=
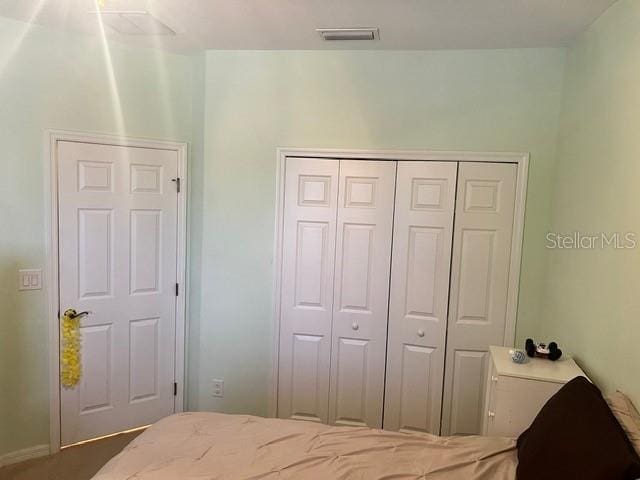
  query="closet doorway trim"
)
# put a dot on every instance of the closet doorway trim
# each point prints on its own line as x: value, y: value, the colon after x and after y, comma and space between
x: 520, y: 159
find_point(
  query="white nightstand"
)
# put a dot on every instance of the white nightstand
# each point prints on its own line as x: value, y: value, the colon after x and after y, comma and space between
x: 516, y: 392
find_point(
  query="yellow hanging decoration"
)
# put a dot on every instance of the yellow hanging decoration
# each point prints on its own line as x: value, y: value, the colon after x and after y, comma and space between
x: 101, y: 4
x: 70, y: 368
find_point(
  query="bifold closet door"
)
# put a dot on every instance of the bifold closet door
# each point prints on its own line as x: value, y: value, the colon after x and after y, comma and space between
x: 361, y: 292
x: 479, y: 288
x: 423, y: 230
x: 309, y: 234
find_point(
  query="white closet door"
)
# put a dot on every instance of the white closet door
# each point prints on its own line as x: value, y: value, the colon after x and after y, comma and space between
x: 363, y: 257
x: 311, y: 194
x: 421, y: 260
x: 479, y: 288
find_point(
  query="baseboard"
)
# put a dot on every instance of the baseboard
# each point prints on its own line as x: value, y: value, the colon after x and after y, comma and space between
x: 24, y: 454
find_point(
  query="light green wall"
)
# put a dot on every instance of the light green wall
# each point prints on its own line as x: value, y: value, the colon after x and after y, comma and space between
x: 195, y: 221
x: 53, y: 80
x: 257, y: 101
x: 592, y: 298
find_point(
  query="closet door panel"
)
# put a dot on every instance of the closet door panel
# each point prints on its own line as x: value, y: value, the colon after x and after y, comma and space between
x: 311, y: 195
x: 469, y: 372
x: 423, y: 226
x: 479, y: 288
x: 361, y: 290
x: 353, y: 359
x: 307, y: 379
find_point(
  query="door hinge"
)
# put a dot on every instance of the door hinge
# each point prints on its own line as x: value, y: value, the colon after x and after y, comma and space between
x: 175, y: 389
x: 177, y: 180
x: 177, y: 289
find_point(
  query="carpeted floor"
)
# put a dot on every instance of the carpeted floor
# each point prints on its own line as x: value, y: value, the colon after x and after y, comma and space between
x: 74, y: 463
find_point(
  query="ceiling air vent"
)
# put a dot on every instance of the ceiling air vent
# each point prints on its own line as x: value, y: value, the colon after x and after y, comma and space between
x: 348, y: 33
x: 133, y: 22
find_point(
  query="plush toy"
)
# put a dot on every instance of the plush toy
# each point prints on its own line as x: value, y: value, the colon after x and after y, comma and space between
x: 551, y: 351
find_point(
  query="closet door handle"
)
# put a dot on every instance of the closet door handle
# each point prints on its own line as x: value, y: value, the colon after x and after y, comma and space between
x: 421, y: 333
x: 355, y: 326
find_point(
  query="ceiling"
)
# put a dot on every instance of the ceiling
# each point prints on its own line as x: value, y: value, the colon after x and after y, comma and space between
x: 291, y: 24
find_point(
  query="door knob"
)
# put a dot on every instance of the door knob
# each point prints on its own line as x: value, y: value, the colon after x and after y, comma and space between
x: 421, y: 333
x: 355, y: 326
x: 71, y: 313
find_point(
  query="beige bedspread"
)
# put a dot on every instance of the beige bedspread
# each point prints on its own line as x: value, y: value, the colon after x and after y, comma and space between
x: 207, y: 446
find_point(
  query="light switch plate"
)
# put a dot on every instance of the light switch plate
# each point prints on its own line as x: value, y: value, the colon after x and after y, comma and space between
x: 30, y: 279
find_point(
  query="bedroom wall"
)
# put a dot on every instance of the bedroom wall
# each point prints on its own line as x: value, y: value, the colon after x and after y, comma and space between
x: 54, y: 80
x: 257, y: 101
x: 592, y: 296
x: 237, y: 108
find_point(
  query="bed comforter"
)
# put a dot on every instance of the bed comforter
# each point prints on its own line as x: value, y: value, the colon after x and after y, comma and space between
x: 212, y: 446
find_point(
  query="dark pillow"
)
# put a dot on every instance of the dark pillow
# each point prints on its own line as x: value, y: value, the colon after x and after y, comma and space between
x: 576, y: 436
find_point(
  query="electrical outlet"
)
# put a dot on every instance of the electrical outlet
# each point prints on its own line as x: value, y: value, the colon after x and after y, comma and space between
x: 218, y: 388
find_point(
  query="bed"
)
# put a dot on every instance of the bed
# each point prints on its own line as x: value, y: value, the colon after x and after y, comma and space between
x: 216, y: 446
x: 199, y: 446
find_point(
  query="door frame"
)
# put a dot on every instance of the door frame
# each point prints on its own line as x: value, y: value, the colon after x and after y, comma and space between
x: 51, y: 283
x: 518, y: 158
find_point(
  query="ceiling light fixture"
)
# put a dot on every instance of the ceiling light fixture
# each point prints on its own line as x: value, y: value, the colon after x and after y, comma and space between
x: 133, y: 22
x: 349, y: 33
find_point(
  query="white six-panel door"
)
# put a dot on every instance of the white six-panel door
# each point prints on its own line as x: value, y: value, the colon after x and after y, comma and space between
x: 308, y: 253
x: 118, y: 233
x: 361, y: 291
x: 479, y: 288
x: 425, y: 199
